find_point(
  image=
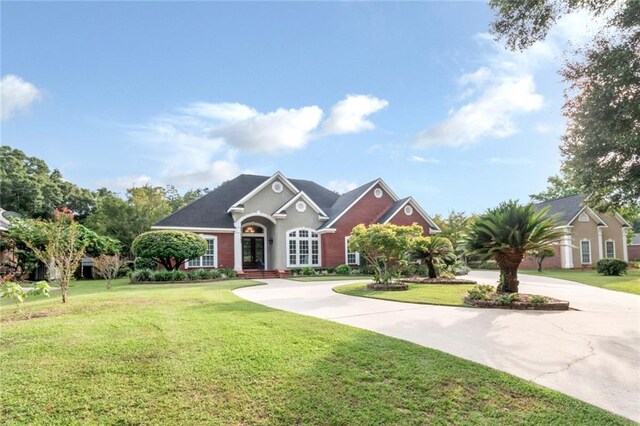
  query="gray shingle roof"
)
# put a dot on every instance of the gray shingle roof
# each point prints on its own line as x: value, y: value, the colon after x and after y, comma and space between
x: 210, y: 211
x: 566, y: 207
x: 343, y: 201
x: 394, y: 207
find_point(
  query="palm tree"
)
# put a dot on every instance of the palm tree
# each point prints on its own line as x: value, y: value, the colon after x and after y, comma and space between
x: 432, y: 249
x: 506, y: 233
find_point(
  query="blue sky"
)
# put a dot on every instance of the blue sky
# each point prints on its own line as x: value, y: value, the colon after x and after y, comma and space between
x: 191, y: 94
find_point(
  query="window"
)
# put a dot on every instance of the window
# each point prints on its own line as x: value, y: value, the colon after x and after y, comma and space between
x: 301, y: 206
x: 585, y: 252
x: 408, y: 210
x: 351, y: 257
x: 277, y: 187
x: 377, y: 192
x: 584, y: 217
x: 610, y: 249
x: 303, y: 248
x: 209, y: 259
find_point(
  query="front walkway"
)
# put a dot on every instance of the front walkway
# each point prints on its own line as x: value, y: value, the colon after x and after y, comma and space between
x: 592, y: 354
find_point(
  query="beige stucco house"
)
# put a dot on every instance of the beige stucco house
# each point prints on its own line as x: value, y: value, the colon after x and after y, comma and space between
x: 588, y: 235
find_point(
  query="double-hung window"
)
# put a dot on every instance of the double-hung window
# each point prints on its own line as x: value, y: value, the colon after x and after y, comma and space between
x: 610, y: 249
x: 209, y: 259
x: 351, y: 257
x: 303, y: 248
x: 585, y: 252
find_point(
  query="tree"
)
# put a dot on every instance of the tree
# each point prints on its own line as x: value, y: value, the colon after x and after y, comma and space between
x: 506, y: 233
x: 177, y: 201
x: 601, y: 146
x: 540, y: 254
x: 432, y: 249
x: 382, y: 246
x: 30, y: 188
x: 107, y: 266
x: 453, y: 227
x: 63, y: 247
x: 558, y: 186
x: 169, y: 248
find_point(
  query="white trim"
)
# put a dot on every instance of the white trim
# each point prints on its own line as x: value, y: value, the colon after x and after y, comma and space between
x: 295, y: 198
x: 622, y: 220
x: 625, y: 249
x: 195, y: 229
x: 582, y: 262
x: 606, y: 254
x: 215, y: 253
x: 421, y: 212
x: 326, y: 231
x: 298, y: 264
x: 591, y: 213
x: 378, y: 181
x: 567, y: 248
x: 263, y: 185
x: 346, y: 253
x: 600, y: 244
x: 237, y: 248
x: 265, y: 239
x: 258, y: 213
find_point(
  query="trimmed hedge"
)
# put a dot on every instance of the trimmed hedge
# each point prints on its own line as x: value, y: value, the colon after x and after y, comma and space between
x: 611, y: 267
x: 144, y: 263
x: 162, y: 275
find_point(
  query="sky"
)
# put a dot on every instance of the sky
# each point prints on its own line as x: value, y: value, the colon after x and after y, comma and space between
x: 191, y: 94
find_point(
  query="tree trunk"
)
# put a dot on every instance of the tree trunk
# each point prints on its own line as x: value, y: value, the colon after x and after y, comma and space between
x: 431, y: 268
x: 63, y: 290
x: 509, y: 263
x: 540, y: 264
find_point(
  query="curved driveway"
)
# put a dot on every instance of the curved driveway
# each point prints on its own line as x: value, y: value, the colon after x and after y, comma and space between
x: 592, y: 354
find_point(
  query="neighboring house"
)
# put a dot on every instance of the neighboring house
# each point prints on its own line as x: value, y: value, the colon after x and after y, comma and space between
x: 588, y: 236
x: 634, y: 248
x: 275, y: 223
x: 7, y: 257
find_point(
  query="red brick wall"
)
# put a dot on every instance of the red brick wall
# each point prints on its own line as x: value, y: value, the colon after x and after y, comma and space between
x: 225, y: 250
x: 549, y: 262
x: 366, y: 211
x: 404, y: 220
x: 634, y: 252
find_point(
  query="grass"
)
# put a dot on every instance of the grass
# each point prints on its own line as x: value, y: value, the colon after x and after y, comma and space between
x: 431, y: 294
x: 629, y: 283
x: 197, y: 354
x: 314, y: 278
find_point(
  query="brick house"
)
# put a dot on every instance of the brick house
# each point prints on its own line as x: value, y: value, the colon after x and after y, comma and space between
x: 588, y: 236
x: 254, y: 223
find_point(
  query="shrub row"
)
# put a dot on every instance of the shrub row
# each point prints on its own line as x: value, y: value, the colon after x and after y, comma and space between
x: 146, y: 275
x: 612, y: 267
x: 338, y: 270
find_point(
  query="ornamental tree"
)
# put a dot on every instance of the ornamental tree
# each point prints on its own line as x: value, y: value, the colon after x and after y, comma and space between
x: 540, y: 254
x: 506, y: 233
x: 107, y: 266
x: 382, y: 246
x: 169, y: 248
x: 432, y: 249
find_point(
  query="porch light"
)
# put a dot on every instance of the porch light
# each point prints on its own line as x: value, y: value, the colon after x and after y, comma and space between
x: 270, y: 241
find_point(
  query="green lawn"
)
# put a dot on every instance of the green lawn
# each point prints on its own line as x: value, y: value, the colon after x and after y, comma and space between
x: 431, y: 294
x: 197, y: 354
x: 629, y: 283
x: 314, y: 278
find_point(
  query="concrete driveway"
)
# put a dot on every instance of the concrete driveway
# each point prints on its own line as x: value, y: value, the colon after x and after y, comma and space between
x: 592, y: 354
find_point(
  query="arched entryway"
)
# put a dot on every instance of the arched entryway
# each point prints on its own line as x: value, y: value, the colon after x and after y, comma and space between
x: 254, y: 246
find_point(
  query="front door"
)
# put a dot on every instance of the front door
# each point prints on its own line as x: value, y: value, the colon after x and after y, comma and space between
x: 252, y: 253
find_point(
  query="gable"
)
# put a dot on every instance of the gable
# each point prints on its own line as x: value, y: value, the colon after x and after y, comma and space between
x: 407, y: 212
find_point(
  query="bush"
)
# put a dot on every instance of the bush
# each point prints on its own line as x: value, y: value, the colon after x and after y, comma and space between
x: 178, y: 276
x: 447, y: 275
x: 536, y: 299
x: 227, y: 273
x: 342, y: 270
x: 142, y: 275
x: 170, y: 248
x: 307, y: 271
x: 162, y: 275
x: 611, y: 267
x: 459, y: 268
x: 480, y: 292
x: 507, y: 298
x: 144, y: 263
x: 484, y: 264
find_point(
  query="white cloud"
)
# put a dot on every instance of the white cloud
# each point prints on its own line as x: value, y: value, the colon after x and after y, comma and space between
x: 350, y: 114
x: 214, y: 173
x: 511, y: 161
x: 490, y: 114
x: 17, y: 95
x: 124, y: 182
x: 231, y: 112
x: 274, y: 132
x: 418, y: 159
x: 543, y: 128
x: 341, y: 186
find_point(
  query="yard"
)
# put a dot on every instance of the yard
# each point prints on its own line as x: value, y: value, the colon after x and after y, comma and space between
x: 316, y: 278
x: 431, y: 294
x: 180, y: 354
x: 629, y: 283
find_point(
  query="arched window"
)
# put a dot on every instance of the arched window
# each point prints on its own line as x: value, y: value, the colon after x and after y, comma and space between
x: 303, y: 248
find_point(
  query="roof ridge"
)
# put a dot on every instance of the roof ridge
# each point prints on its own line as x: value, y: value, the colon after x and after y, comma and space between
x: 560, y: 198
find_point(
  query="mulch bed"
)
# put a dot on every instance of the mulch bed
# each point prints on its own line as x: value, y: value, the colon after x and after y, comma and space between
x: 396, y: 286
x: 425, y: 280
x: 522, y: 304
x: 181, y: 282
